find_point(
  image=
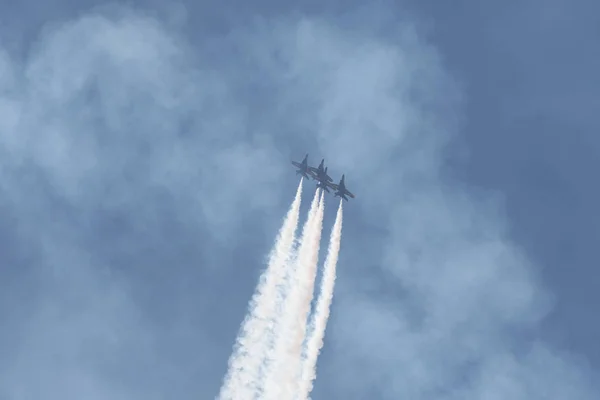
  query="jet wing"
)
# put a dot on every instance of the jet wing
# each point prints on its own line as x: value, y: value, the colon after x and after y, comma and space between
x: 349, y: 194
x: 332, y: 185
x: 315, y: 172
x: 296, y: 164
x: 312, y: 173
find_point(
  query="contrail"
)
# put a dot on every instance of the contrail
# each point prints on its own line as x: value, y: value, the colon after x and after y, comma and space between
x: 319, y: 320
x: 243, y: 374
x: 283, y: 376
x: 307, y: 284
x: 273, y: 353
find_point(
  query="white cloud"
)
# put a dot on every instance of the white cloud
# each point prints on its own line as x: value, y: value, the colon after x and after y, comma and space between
x: 121, y: 114
x: 110, y: 124
x: 384, y: 111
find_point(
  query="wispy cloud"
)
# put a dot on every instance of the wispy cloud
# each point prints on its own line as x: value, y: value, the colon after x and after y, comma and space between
x: 125, y: 149
x: 460, y: 299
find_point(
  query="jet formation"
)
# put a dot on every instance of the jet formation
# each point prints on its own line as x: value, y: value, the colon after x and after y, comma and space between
x: 324, y: 181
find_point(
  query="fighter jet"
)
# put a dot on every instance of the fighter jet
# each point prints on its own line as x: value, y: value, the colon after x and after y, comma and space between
x: 320, y: 173
x: 341, y: 190
x: 303, y: 168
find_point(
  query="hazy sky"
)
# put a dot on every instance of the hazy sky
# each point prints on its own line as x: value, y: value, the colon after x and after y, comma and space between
x: 145, y: 171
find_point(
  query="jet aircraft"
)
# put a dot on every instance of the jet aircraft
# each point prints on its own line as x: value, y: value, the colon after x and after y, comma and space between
x: 340, y: 189
x: 303, y: 168
x: 320, y: 173
x: 324, y: 181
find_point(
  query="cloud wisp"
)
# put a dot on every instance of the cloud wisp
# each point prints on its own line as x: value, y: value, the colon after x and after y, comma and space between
x: 131, y: 159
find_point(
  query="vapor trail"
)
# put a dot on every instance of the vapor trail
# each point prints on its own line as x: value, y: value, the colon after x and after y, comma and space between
x: 282, y: 378
x: 243, y: 375
x: 314, y: 342
x: 307, y: 280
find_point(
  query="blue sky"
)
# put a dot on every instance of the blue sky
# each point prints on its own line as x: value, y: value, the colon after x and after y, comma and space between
x: 145, y: 171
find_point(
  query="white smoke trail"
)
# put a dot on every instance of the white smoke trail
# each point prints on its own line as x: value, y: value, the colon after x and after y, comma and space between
x: 307, y: 279
x: 270, y: 385
x: 282, y: 376
x: 243, y: 375
x: 314, y: 342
